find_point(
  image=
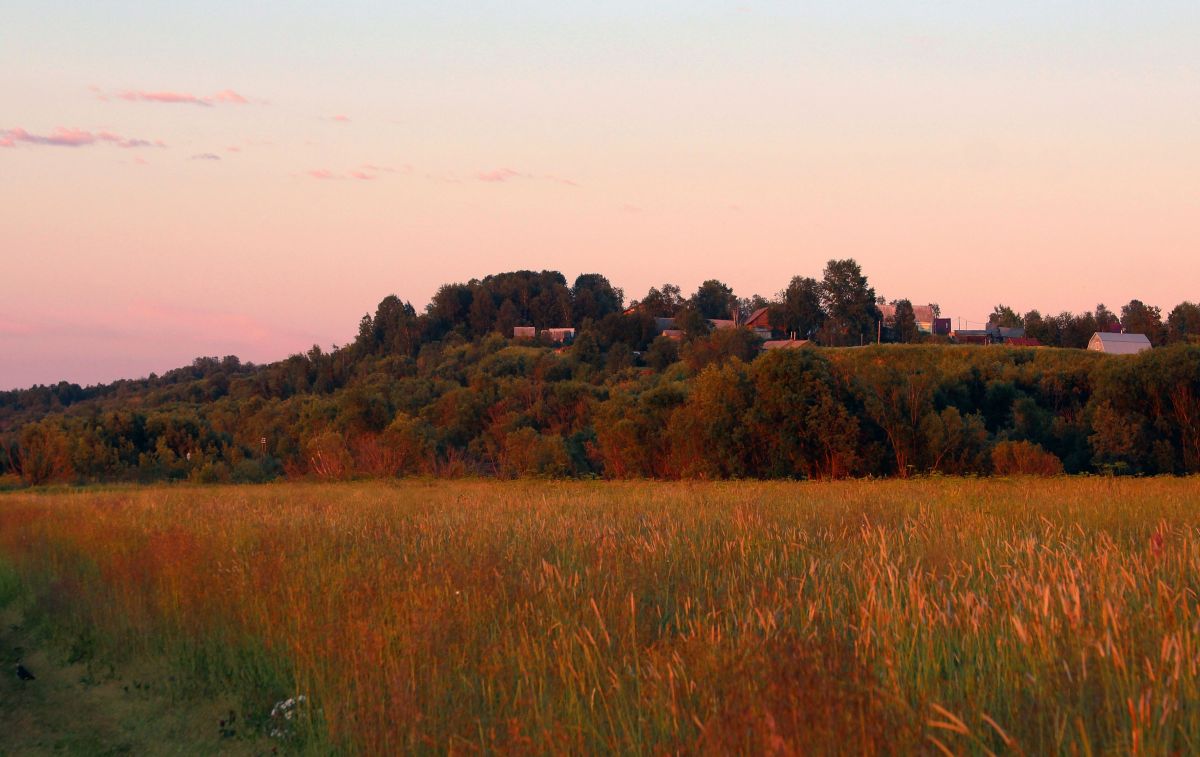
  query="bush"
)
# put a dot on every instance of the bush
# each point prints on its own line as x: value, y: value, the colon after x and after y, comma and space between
x: 1024, y: 459
x: 249, y: 471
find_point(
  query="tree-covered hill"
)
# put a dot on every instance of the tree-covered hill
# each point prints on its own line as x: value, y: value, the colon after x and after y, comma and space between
x: 449, y: 392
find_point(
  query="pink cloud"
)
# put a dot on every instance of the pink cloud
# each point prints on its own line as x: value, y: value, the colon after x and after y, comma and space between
x: 497, y: 175
x: 119, y: 141
x: 72, y: 137
x: 229, y: 96
x: 342, y: 119
x: 226, y: 96
x: 504, y: 174
x: 406, y: 168
x: 364, y: 172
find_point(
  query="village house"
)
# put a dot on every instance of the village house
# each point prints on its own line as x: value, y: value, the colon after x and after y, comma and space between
x: 760, y: 323
x: 1118, y: 344
x: 559, y: 336
x: 927, y: 323
x: 1014, y: 336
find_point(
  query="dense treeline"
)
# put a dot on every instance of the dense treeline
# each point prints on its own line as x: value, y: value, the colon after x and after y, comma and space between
x: 444, y: 392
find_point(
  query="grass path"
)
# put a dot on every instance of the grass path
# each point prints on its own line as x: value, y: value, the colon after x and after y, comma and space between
x: 80, y: 708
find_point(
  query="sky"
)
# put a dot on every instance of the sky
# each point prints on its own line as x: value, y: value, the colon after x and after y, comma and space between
x: 183, y: 179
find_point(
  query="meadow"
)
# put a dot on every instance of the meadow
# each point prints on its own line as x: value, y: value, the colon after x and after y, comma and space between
x: 981, y: 616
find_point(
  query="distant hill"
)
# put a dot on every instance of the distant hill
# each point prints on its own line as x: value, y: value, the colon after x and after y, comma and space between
x: 449, y: 392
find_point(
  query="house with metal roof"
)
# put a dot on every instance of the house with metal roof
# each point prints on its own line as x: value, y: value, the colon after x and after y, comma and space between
x: 1118, y: 344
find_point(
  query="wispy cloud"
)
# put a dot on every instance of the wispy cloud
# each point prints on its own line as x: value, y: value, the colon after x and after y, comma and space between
x: 224, y: 97
x: 363, y: 172
x: 340, y: 118
x: 500, y: 175
x: 206, y: 156
x: 72, y: 137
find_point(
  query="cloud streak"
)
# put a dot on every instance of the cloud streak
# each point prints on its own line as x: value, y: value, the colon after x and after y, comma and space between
x: 63, y: 136
x: 501, y: 175
x: 364, y: 172
x: 224, y: 97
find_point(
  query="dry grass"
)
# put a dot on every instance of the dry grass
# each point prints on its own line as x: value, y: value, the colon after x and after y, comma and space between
x: 1010, y: 616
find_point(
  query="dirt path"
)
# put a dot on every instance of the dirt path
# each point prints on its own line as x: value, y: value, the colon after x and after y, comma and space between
x: 79, y: 709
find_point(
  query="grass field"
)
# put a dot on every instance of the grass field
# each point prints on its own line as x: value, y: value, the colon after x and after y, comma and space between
x: 1011, y: 616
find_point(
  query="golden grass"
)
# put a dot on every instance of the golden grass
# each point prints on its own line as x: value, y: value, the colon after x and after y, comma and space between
x: 950, y: 615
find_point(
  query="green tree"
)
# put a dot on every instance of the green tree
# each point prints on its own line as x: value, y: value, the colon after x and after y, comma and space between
x: 662, y: 353
x: 905, y: 327
x: 1003, y: 315
x: 801, y: 313
x: 1183, y: 322
x: 707, y: 434
x: 662, y: 303
x: 482, y: 315
x: 1045, y: 330
x: 44, y: 454
x: 799, y: 424
x: 1140, y: 318
x: 1106, y: 320
x: 849, y: 302
x: 714, y: 300
x: 594, y: 297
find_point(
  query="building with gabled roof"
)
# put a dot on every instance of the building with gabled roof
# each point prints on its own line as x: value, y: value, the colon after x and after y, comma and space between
x: 922, y: 314
x: 1119, y: 344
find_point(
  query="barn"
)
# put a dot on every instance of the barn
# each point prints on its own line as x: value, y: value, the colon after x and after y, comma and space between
x: 1118, y: 344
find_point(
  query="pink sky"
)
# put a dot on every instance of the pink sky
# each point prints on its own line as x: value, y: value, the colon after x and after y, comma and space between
x: 234, y: 190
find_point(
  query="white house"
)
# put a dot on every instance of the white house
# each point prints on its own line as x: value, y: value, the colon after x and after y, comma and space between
x: 1118, y: 344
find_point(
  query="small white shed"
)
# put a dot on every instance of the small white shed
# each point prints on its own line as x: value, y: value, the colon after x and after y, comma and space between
x: 1118, y: 344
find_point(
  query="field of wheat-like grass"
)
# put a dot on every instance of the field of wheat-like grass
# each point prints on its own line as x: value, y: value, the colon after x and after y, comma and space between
x: 1010, y: 616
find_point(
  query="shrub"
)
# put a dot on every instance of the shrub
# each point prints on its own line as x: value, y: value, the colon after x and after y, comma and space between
x: 1024, y: 459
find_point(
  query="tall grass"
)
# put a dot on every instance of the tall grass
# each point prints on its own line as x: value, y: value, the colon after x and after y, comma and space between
x: 945, y: 614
